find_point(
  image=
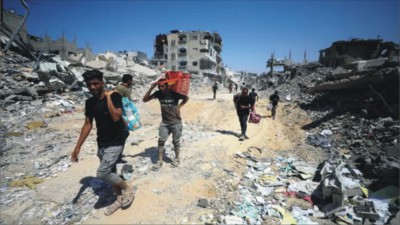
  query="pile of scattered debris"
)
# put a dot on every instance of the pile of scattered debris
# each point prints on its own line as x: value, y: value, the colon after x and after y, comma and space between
x: 355, y: 117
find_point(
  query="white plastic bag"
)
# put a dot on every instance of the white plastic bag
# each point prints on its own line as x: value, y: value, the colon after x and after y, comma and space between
x: 269, y: 107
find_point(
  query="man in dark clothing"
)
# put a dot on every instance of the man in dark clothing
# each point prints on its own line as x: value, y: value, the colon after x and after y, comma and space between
x: 274, y: 101
x: 253, y: 95
x: 230, y: 87
x: 215, y: 88
x: 106, y: 108
x: 125, y: 89
x: 171, y: 119
x: 243, y: 104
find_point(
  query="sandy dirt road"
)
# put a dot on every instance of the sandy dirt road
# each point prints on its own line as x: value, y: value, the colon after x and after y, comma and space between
x: 169, y: 196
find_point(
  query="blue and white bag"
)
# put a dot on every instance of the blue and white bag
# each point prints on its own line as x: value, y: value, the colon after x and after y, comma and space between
x: 130, y: 114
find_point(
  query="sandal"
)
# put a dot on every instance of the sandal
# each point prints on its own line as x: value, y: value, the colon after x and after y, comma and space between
x: 114, y: 207
x: 157, y: 166
x: 128, y: 196
x: 175, y: 163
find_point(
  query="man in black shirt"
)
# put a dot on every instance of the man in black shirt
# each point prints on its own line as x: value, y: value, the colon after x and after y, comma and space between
x: 215, y: 88
x: 243, y: 104
x: 274, y: 101
x: 106, y: 108
x: 171, y: 119
x: 253, y: 95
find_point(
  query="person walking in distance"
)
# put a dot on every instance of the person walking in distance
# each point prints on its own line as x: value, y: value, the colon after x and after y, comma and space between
x: 171, y: 119
x: 274, y: 98
x: 125, y: 90
x: 105, y: 107
x: 243, y: 105
x: 230, y: 87
x: 125, y: 87
x: 254, y: 96
x: 215, y: 88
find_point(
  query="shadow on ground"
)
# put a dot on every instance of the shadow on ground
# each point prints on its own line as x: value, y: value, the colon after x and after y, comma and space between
x: 151, y: 153
x: 100, y: 188
x: 228, y: 132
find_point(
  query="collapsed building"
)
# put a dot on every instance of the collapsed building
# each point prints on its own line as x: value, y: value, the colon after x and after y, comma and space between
x: 66, y: 49
x: 359, y: 53
x: 198, y: 52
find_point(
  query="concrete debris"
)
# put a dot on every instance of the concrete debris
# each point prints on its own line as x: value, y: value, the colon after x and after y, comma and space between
x: 354, y: 113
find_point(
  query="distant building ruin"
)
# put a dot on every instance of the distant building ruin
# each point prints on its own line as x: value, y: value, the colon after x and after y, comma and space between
x: 198, y: 52
x: 61, y: 46
x: 346, y: 53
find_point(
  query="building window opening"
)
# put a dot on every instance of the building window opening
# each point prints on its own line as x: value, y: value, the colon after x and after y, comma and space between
x: 182, y: 50
x: 182, y: 63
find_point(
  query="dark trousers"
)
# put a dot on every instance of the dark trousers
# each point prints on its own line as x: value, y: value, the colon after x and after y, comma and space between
x: 243, y: 122
x: 215, y: 94
x: 273, y: 111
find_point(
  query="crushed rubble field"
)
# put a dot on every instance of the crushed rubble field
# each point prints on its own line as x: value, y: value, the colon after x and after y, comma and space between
x: 330, y: 156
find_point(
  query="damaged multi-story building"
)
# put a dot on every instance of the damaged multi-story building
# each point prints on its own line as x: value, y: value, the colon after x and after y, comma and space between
x: 10, y: 22
x: 359, y: 53
x: 197, y: 52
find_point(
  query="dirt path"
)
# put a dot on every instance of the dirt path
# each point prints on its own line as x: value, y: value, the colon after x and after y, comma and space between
x: 209, y: 143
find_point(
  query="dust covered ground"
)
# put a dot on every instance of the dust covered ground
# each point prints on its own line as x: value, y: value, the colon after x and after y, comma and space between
x: 170, y: 196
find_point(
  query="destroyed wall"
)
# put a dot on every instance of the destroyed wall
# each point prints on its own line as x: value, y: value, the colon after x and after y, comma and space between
x: 160, y: 50
x: 342, y: 53
x: 61, y: 46
x: 10, y: 22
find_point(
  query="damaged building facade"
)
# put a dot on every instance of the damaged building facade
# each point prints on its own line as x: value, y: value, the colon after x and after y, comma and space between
x: 66, y: 49
x: 198, y: 52
x: 359, y: 53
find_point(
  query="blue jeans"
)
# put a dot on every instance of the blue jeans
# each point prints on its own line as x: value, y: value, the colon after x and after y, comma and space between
x: 243, y: 122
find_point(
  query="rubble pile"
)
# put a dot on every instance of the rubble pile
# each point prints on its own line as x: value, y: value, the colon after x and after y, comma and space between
x: 36, y: 98
x: 355, y: 119
x: 287, y: 190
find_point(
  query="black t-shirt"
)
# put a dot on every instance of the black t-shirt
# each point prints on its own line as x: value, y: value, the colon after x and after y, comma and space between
x: 215, y: 87
x: 109, y: 133
x: 169, y: 102
x: 274, y: 99
x: 243, y: 100
x: 253, y: 96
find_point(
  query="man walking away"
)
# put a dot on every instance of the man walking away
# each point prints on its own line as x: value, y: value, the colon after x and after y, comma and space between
x: 125, y: 88
x: 215, y: 88
x: 106, y: 108
x: 274, y: 98
x: 243, y: 104
x: 253, y: 95
x: 230, y: 87
x: 171, y: 119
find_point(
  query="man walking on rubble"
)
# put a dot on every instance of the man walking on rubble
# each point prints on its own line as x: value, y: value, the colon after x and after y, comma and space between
x: 171, y: 119
x: 125, y: 87
x: 243, y: 105
x: 106, y: 108
x: 215, y: 88
x: 230, y: 87
x: 125, y: 90
x: 254, y: 96
x: 274, y: 98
